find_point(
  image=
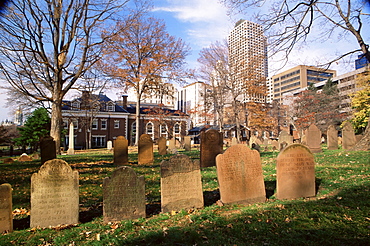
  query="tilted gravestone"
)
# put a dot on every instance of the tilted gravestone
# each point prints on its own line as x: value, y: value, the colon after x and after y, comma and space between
x: 54, y: 195
x: 6, y: 216
x: 348, y: 136
x: 181, y: 185
x: 210, y: 146
x: 240, y: 177
x: 162, y: 146
x: 47, y: 149
x: 295, y: 172
x: 187, y: 143
x: 120, y: 151
x: 123, y: 195
x: 145, y: 150
x: 313, y: 138
x: 332, y: 137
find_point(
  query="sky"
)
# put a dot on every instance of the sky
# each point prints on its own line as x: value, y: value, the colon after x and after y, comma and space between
x: 203, y: 22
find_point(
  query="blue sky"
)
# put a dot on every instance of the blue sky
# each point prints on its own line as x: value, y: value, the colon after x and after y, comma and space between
x: 202, y: 22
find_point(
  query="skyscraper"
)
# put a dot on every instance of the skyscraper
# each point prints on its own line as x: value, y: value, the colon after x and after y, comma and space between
x: 248, y: 58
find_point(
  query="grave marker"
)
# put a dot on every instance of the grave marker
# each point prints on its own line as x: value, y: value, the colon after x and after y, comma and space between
x: 240, y: 177
x: 71, y: 144
x: 210, y: 146
x: 123, y: 195
x: 54, y: 195
x: 162, y: 146
x: 145, y: 150
x: 47, y: 149
x: 120, y: 151
x: 348, y: 136
x: 314, y: 139
x: 181, y: 185
x: 6, y: 216
x: 109, y: 145
x: 187, y: 143
x: 295, y: 172
x: 332, y: 137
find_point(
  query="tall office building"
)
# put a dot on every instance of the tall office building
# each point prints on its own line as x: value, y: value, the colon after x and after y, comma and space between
x: 248, y: 56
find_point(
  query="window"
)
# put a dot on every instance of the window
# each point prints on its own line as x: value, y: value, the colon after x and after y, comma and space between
x: 65, y: 124
x: 94, y: 124
x: 176, y: 129
x: 149, y: 129
x: 116, y: 124
x: 98, y: 141
x: 110, y: 107
x: 163, y: 130
x: 75, y: 123
x: 133, y: 133
x: 75, y: 105
x: 103, y: 124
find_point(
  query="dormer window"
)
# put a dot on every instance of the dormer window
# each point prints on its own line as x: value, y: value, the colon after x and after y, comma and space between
x: 75, y: 105
x: 110, y: 106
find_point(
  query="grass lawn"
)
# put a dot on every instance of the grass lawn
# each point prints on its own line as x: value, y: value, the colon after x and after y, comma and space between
x: 338, y: 215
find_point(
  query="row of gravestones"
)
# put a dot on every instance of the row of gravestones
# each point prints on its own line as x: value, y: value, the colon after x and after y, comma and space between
x: 55, y: 192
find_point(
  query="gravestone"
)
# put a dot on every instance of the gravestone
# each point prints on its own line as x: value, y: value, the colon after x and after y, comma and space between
x: 120, y: 151
x: 145, y: 150
x: 295, y: 172
x: 313, y: 136
x: 332, y: 137
x: 109, y: 145
x: 123, y: 195
x: 54, y: 195
x: 47, y: 149
x: 24, y: 157
x: 275, y: 144
x: 172, y: 145
x: 234, y: 141
x: 283, y: 145
x: 256, y: 146
x: 162, y: 146
x: 240, y: 177
x: 252, y: 140
x: 210, y: 146
x: 6, y: 216
x: 181, y: 185
x: 8, y: 160
x: 71, y: 144
x: 284, y: 136
x: 187, y: 143
x: 348, y: 136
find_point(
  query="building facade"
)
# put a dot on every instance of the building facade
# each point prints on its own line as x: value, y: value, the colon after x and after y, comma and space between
x: 296, y: 78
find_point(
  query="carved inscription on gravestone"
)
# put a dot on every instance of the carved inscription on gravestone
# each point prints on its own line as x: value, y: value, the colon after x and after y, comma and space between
x: 6, y: 216
x: 123, y: 195
x: 145, y: 150
x: 54, y: 195
x: 240, y: 177
x: 295, y: 172
x: 210, y: 146
x: 181, y: 185
x: 120, y: 151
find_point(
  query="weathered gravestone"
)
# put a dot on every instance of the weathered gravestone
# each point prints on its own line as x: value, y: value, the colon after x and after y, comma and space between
x: 275, y: 144
x: 47, y: 149
x: 71, y: 144
x: 234, y: 141
x: 283, y: 145
x: 172, y: 146
x: 8, y: 160
x: 348, y: 136
x: 54, y: 195
x: 240, y: 177
x: 314, y: 139
x: 210, y: 146
x: 6, y: 216
x: 123, y: 195
x: 295, y: 172
x: 162, y: 146
x: 145, y: 150
x: 284, y: 136
x: 24, y: 157
x: 332, y: 137
x: 120, y: 151
x: 181, y: 185
x: 187, y: 143
x: 109, y: 145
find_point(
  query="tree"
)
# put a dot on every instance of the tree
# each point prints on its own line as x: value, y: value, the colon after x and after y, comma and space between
x: 288, y: 23
x: 35, y: 127
x: 46, y: 47
x: 141, y: 55
x: 360, y: 101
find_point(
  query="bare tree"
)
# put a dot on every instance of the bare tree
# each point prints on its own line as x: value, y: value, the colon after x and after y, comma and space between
x: 288, y: 23
x: 141, y: 55
x: 46, y: 47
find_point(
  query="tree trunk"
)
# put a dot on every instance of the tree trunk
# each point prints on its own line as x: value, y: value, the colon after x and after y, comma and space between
x: 364, y: 143
x: 56, y: 117
x: 137, y: 134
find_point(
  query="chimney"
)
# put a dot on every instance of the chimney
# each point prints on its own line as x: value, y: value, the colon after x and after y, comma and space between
x: 124, y: 101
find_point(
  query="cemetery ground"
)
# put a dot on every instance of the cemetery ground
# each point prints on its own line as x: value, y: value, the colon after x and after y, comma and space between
x: 338, y: 215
